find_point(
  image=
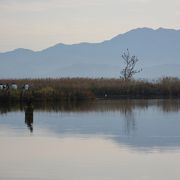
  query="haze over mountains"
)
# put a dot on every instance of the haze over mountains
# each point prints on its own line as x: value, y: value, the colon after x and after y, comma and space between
x: 158, y: 52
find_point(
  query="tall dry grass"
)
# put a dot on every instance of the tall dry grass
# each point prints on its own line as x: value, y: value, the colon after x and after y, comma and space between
x: 70, y: 89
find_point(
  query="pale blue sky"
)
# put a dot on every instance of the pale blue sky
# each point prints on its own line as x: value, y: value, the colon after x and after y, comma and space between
x: 37, y: 24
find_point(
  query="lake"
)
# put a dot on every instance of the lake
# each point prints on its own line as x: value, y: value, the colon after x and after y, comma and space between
x: 99, y: 140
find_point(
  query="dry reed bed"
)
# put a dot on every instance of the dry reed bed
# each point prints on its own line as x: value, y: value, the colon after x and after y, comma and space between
x: 85, y: 88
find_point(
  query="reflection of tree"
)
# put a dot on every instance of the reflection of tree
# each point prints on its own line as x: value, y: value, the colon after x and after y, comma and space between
x: 129, y: 120
x: 29, y: 117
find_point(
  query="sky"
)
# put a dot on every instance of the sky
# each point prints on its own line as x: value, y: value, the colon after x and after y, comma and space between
x: 38, y: 24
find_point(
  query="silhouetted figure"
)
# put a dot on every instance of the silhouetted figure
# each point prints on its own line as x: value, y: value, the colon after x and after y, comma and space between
x: 29, y: 117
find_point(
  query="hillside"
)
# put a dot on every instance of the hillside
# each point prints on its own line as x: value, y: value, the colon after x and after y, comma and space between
x: 158, y: 52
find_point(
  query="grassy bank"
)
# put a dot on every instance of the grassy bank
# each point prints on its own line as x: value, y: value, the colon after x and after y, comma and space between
x: 73, y: 89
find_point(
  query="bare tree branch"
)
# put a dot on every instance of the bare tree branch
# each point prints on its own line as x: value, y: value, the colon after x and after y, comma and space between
x: 129, y: 66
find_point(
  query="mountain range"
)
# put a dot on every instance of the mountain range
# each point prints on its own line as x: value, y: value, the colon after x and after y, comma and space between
x: 158, y: 52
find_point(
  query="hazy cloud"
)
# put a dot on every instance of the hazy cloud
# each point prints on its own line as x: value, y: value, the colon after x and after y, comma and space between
x: 44, y: 5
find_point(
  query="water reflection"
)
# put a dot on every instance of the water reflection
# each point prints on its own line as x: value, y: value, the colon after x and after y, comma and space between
x: 130, y: 122
x: 124, y: 106
x: 139, y: 124
x: 29, y: 117
x: 127, y: 139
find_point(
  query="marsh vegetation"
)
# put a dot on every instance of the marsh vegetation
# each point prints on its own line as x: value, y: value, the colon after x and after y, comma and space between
x: 74, y: 89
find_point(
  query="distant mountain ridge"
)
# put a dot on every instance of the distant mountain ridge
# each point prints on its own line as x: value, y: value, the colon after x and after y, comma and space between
x: 158, y: 52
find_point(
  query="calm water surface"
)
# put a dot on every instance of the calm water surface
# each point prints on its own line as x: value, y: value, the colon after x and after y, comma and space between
x: 101, y: 140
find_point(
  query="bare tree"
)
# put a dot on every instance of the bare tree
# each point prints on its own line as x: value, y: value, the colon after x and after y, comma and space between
x: 129, y: 62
